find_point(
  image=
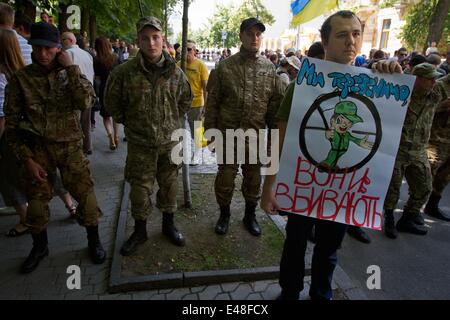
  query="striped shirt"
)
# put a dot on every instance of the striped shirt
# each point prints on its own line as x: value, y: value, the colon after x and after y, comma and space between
x: 3, y: 83
x: 25, y: 48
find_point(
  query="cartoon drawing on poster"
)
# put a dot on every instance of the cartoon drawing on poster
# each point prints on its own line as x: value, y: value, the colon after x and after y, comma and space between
x: 336, y: 162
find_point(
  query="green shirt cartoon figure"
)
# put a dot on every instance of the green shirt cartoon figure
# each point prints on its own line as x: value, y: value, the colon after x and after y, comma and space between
x: 344, y: 117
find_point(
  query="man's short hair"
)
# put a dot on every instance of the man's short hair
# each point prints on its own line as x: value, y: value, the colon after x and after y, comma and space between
x: 21, y: 20
x: 176, y: 46
x: 6, y: 14
x: 434, y: 58
x: 325, y: 30
x: 402, y: 49
x: 273, y: 57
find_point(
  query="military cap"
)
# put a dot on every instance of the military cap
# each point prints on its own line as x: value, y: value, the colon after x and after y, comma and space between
x: 44, y: 34
x: 148, y: 21
x: 348, y: 109
x: 250, y: 22
x: 425, y: 70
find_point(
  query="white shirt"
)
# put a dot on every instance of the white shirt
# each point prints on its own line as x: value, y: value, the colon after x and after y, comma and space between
x: 24, y: 47
x: 84, y: 60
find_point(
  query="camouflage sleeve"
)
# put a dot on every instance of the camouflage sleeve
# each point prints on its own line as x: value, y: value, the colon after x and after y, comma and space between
x: 13, y: 107
x: 274, y: 102
x: 112, y: 97
x: 83, y: 93
x: 185, y: 95
x: 443, y: 85
x: 212, y: 102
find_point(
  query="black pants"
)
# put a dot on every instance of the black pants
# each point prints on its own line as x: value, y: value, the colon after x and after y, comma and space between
x: 329, y: 236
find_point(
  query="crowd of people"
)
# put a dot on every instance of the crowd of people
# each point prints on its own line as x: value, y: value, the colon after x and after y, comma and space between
x: 45, y: 137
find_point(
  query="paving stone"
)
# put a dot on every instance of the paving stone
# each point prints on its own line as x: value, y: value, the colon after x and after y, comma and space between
x: 255, y: 296
x: 259, y: 286
x: 191, y: 296
x: 241, y: 292
x: 197, y: 289
x: 272, y: 292
x: 158, y: 297
x: 223, y: 296
x: 229, y: 287
x: 144, y: 295
x: 177, y: 294
x: 210, y: 292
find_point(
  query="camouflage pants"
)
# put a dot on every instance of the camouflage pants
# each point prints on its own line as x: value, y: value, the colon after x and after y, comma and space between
x: 416, y: 169
x: 439, y: 156
x: 68, y: 157
x: 251, y: 185
x: 144, y: 164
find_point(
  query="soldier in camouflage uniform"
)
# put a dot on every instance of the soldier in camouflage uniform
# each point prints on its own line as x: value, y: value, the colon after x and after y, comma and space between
x: 439, y: 156
x: 412, y: 162
x: 244, y: 93
x: 42, y: 107
x: 149, y: 95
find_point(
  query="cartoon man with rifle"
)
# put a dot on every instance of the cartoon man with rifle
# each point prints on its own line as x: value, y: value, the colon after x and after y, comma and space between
x: 344, y: 117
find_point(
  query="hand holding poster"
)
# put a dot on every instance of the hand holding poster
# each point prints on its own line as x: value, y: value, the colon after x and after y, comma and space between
x: 341, y: 141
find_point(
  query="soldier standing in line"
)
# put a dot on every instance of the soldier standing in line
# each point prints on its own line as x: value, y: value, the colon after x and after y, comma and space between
x: 412, y: 161
x: 149, y: 95
x: 439, y: 156
x: 244, y: 94
x: 42, y: 107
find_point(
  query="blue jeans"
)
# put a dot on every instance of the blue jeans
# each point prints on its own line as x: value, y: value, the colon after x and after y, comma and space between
x: 329, y: 236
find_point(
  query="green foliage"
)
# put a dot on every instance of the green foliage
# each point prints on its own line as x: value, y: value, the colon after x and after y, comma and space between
x: 229, y: 18
x: 415, y: 30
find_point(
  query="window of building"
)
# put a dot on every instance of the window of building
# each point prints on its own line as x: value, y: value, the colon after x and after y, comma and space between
x: 385, y: 33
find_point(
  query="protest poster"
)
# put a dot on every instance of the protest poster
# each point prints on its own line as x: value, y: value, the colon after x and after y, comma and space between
x: 341, y: 142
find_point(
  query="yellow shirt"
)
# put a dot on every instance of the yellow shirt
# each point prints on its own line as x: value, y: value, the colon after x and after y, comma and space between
x: 196, y: 72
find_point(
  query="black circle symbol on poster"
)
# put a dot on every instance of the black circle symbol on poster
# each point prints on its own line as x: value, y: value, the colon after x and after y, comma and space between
x: 338, y: 132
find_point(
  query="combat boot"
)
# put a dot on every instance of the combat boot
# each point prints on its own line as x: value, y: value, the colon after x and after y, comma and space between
x: 432, y: 208
x: 407, y: 224
x: 224, y: 220
x: 170, y: 231
x: 417, y: 217
x: 389, y: 224
x: 249, y: 220
x: 38, y: 252
x: 96, y: 251
x: 138, y: 237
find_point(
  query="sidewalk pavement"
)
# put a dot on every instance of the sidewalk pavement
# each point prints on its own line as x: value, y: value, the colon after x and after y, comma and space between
x: 68, y: 246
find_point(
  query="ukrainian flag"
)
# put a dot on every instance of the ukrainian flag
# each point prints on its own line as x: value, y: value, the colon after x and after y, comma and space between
x: 306, y: 10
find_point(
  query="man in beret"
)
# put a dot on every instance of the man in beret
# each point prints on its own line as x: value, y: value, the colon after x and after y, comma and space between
x: 42, y: 107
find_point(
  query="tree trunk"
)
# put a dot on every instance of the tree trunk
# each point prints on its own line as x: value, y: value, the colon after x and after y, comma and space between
x: 29, y: 10
x: 92, y: 29
x: 437, y: 23
x: 62, y: 18
x: 85, y: 21
x: 186, y: 180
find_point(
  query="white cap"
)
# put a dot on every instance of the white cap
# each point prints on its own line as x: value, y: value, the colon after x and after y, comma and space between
x: 294, y: 61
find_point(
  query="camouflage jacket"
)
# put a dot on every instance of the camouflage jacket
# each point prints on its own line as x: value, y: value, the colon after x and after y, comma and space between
x: 419, y: 117
x: 45, y: 104
x: 150, y: 100
x: 245, y: 92
x: 440, y: 130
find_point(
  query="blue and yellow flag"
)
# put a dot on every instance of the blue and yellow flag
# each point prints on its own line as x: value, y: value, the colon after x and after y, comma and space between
x: 306, y: 10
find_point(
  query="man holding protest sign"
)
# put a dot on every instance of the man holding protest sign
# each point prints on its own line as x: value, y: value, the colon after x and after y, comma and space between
x: 341, y: 36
